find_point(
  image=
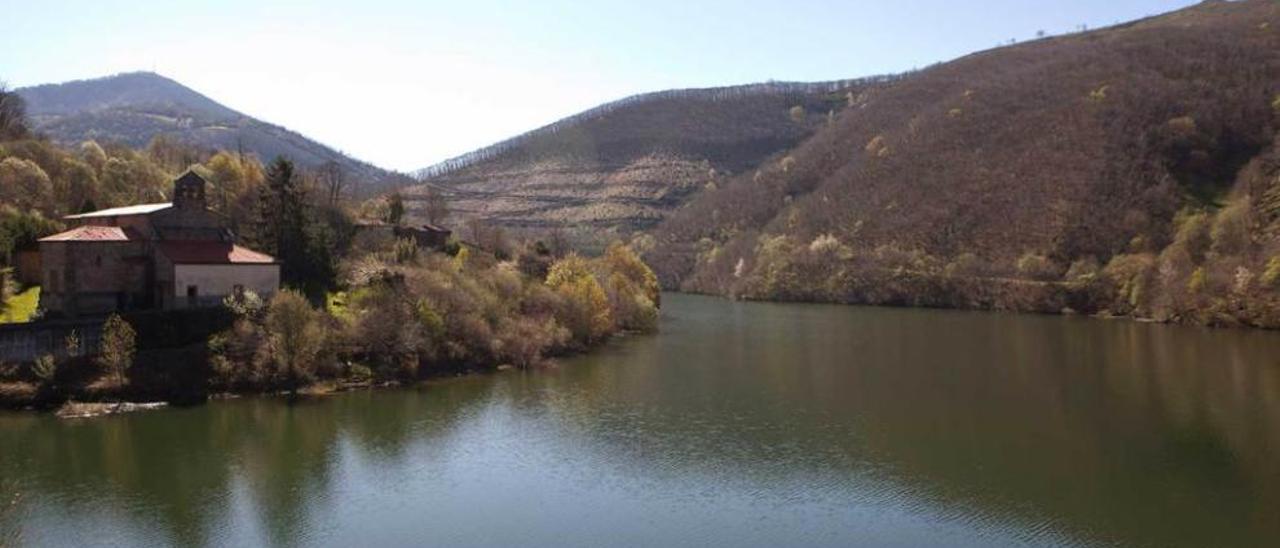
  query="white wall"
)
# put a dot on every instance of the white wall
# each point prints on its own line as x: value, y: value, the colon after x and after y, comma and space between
x: 220, y: 279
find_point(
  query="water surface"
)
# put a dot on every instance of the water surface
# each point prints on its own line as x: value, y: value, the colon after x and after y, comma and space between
x: 739, y: 425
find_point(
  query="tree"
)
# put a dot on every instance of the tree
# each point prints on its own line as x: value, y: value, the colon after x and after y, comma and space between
x: 395, y: 208
x: 437, y: 207
x: 24, y: 184
x: 118, y: 348
x: 586, y: 312
x: 286, y: 227
x: 333, y: 179
x: 296, y: 336
x: 13, y: 115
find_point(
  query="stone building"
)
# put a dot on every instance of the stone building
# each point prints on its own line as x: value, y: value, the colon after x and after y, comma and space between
x: 168, y: 255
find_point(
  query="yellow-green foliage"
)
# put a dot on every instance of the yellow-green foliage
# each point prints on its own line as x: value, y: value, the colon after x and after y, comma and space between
x: 1036, y: 266
x: 1099, y: 95
x: 1129, y: 273
x: 21, y: 307
x: 797, y: 114
x: 1275, y: 104
x: 1192, y: 234
x: 1272, y: 273
x: 587, y: 307
x: 118, y: 348
x: 460, y: 260
x: 295, y: 335
x: 633, y: 289
x: 1230, y: 233
x: 1197, y: 281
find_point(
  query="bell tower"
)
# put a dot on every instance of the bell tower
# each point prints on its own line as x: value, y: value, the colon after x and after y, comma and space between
x: 188, y: 192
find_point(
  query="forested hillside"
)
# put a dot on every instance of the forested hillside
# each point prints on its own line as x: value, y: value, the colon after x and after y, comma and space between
x: 627, y: 164
x: 1131, y: 170
x: 132, y: 109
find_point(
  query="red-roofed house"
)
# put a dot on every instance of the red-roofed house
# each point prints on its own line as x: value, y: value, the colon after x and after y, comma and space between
x: 169, y: 255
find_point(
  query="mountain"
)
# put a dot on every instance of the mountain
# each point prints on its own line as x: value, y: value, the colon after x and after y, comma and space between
x: 135, y: 107
x: 1129, y: 170
x: 627, y: 164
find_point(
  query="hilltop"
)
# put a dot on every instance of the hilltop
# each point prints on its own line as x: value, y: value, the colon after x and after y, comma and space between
x: 1129, y: 170
x: 625, y: 165
x: 134, y: 108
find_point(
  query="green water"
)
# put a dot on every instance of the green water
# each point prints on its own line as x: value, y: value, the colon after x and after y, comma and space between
x: 739, y: 425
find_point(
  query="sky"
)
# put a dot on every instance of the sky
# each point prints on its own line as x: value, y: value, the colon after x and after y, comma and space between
x: 404, y: 84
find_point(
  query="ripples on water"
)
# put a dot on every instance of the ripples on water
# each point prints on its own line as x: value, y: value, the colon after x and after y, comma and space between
x: 740, y: 425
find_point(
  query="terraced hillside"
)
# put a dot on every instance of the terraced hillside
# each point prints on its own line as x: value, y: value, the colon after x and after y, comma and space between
x: 626, y: 165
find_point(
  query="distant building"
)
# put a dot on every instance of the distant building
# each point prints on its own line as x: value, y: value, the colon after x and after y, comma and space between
x: 426, y: 235
x: 169, y: 255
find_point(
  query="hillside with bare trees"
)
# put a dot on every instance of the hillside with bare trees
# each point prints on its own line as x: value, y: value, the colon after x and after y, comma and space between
x: 625, y: 165
x: 1131, y: 170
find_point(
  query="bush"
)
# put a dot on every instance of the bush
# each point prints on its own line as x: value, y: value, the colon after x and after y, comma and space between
x: 585, y: 309
x: 118, y: 348
x: 1230, y: 233
x: 1037, y: 267
x: 1271, y: 274
x: 295, y: 337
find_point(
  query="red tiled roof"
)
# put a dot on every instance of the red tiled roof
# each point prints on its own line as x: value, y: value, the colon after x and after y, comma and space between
x: 212, y: 253
x: 92, y: 234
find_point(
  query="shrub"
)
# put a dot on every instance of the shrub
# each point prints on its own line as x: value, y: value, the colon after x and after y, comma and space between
x: 1197, y: 281
x: 405, y: 251
x: 1082, y: 269
x: 1037, y: 267
x: 1230, y: 233
x: 118, y: 348
x: 45, y: 369
x: 797, y: 114
x: 295, y: 336
x: 1271, y: 274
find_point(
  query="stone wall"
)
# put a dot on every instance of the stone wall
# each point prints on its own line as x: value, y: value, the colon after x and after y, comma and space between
x: 93, y: 277
x: 25, y: 342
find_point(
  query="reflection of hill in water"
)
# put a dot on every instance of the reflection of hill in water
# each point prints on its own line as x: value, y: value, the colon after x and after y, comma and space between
x: 751, y: 422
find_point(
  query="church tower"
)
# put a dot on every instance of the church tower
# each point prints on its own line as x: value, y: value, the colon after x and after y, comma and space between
x: 188, y: 192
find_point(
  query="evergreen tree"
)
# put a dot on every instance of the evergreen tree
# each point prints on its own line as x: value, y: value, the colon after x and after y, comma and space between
x: 395, y: 208
x: 286, y: 227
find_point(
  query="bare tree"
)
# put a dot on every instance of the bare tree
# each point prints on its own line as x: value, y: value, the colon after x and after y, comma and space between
x: 437, y: 207
x: 334, y: 180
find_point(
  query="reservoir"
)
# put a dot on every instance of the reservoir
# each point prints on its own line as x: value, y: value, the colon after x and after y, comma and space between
x: 739, y: 424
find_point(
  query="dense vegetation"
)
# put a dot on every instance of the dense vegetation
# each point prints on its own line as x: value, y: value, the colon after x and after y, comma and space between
x: 1128, y: 171
x: 360, y: 308
x: 406, y: 315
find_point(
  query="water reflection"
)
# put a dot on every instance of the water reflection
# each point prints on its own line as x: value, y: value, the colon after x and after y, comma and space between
x: 742, y: 424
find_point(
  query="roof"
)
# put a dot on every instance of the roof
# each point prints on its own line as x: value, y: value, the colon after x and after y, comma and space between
x: 184, y: 252
x: 93, y: 234
x: 142, y: 209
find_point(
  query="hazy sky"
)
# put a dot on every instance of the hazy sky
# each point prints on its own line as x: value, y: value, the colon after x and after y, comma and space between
x: 404, y: 84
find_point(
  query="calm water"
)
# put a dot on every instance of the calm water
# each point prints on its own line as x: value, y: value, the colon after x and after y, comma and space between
x: 740, y: 425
